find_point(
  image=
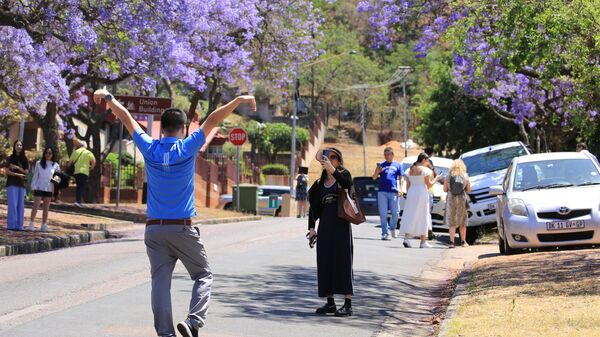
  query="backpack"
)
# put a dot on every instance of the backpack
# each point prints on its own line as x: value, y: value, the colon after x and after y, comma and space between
x: 457, y: 184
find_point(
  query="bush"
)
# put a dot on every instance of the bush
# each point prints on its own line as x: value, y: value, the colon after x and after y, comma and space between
x: 275, y: 169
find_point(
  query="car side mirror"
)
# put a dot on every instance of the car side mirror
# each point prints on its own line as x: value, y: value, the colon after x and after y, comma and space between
x: 496, y: 190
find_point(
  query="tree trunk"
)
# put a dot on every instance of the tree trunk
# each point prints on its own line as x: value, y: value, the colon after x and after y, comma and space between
x: 48, y: 125
x: 192, y: 111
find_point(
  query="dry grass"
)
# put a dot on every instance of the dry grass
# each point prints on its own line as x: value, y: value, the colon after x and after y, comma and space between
x: 216, y: 213
x: 353, y: 157
x: 538, y: 294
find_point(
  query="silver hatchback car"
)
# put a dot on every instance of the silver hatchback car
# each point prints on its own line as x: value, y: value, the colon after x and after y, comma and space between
x: 548, y: 200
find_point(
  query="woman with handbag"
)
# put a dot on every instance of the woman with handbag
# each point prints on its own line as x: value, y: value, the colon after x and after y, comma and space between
x: 334, y: 234
x: 41, y: 184
x: 457, y: 185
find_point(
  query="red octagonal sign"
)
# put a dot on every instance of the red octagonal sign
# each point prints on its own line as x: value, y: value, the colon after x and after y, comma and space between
x: 238, y: 136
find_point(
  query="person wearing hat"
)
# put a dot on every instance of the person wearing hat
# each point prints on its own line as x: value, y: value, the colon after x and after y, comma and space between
x: 84, y: 162
x: 170, y: 235
x: 334, y: 234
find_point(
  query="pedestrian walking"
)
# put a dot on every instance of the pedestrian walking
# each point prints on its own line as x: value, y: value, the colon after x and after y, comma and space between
x: 16, y: 171
x: 416, y: 218
x: 333, y: 235
x: 457, y: 185
x: 169, y: 234
x: 302, y: 194
x: 84, y: 161
x: 388, y: 172
x: 41, y: 184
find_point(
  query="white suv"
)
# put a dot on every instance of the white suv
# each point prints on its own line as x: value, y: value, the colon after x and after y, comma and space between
x: 487, y: 167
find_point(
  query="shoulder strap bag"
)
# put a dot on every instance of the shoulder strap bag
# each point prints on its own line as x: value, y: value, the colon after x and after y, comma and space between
x: 71, y: 169
x: 348, y: 206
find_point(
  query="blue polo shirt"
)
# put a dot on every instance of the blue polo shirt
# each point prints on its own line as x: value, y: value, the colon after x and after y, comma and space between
x: 388, y: 178
x: 170, y: 170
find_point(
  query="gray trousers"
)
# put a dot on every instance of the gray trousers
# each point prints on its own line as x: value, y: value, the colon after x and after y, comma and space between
x: 165, y: 244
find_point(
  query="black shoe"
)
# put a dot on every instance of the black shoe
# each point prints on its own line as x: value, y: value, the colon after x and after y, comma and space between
x: 186, y: 329
x: 344, y: 311
x: 326, y: 309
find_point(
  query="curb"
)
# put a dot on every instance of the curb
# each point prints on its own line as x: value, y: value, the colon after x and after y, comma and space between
x: 51, y: 243
x: 227, y: 220
x: 459, y: 293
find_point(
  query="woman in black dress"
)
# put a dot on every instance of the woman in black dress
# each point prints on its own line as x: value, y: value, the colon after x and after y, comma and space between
x: 334, y: 235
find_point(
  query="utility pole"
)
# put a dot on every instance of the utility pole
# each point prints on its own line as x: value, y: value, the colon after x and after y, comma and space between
x: 405, y: 118
x: 364, y: 131
x: 293, y: 149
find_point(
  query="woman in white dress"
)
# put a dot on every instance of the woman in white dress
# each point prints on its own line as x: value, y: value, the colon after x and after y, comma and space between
x: 416, y: 217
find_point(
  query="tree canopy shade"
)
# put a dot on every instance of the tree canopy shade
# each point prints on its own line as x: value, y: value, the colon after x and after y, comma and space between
x: 535, y: 62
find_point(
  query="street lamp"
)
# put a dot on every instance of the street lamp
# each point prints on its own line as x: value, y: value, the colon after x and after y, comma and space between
x: 295, y: 111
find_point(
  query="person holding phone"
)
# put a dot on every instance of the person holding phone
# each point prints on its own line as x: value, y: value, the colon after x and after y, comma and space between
x: 389, y: 173
x: 334, y: 239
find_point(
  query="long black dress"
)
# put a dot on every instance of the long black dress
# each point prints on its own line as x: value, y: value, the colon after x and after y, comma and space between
x: 334, y: 247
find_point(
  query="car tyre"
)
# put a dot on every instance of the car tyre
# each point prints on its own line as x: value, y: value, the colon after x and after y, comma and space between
x: 505, y: 248
x: 228, y: 206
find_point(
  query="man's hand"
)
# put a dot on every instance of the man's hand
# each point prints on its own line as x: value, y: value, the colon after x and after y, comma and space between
x: 99, y: 95
x: 249, y: 99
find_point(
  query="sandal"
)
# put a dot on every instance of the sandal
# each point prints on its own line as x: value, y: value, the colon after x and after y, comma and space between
x: 450, y: 245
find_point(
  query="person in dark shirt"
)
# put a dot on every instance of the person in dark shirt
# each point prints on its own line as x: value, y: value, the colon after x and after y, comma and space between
x: 16, y: 170
x: 334, y: 234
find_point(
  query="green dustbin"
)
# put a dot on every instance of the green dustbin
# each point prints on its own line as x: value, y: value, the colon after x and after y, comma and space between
x: 248, y: 198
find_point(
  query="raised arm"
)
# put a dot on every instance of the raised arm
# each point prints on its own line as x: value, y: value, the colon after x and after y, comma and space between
x: 119, y: 110
x: 217, y: 116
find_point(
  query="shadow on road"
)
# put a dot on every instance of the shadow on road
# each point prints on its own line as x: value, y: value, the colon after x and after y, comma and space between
x: 289, y: 293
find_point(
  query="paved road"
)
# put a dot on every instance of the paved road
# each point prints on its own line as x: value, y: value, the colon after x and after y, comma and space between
x: 265, y: 285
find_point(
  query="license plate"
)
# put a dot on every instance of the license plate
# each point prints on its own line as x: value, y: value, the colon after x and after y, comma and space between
x: 492, y: 207
x: 369, y: 199
x: 558, y: 225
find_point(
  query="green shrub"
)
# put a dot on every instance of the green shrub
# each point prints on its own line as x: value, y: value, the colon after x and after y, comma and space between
x: 275, y: 169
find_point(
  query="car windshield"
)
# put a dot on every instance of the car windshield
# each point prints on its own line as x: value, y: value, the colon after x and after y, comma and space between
x: 492, y: 161
x: 366, y: 188
x: 555, y: 173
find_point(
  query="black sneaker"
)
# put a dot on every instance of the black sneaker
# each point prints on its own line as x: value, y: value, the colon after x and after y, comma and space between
x: 186, y: 330
x: 344, y: 311
x: 326, y: 309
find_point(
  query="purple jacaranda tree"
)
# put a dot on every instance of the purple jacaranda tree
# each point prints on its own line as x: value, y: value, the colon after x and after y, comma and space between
x: 535, y: 63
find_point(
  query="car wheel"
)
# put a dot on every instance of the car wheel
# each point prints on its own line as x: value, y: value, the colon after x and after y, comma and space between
x: 471, y: 235
x: 505, y: 248
x: 228, y: 206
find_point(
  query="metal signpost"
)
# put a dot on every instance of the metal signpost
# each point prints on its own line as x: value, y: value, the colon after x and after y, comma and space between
x: 238, y: 137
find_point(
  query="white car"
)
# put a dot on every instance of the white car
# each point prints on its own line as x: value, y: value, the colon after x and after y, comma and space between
x: 548, y: 200
x: 487, y: 167
x: 441, y: 166
x: 264, y: 192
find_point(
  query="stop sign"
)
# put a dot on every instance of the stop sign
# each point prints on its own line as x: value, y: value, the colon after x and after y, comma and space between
x: 238, y: 136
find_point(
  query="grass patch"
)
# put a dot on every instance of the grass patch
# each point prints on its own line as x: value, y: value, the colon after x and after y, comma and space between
x: 537, y: 294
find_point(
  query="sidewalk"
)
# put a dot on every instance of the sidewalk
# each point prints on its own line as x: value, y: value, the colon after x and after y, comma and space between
x: 137, y: 213
x: 71, y: 226
x: 553, y: 293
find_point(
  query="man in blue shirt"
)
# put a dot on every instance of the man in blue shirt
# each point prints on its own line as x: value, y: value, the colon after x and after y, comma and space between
x: 170, y: 236
x: 388, y: 172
